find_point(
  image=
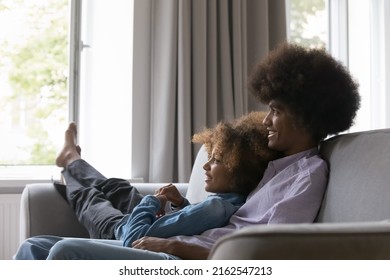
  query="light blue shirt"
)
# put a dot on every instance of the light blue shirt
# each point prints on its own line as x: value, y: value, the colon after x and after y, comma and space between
x: 291, y: 191
x: 214, y: 211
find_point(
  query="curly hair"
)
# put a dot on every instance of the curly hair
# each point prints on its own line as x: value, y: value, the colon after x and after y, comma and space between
x: 316, y: 89
x: 242, y: 146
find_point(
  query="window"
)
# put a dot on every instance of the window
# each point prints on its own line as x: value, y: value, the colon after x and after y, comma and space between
x: 33, y: 82
x: 308, y: 22
x: 38, y: 70
x: 357, y: 34
x: 105, y: 103
x: 368, y: 57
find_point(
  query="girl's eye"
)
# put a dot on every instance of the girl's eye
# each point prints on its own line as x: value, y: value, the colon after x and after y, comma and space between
x: 213, y: 160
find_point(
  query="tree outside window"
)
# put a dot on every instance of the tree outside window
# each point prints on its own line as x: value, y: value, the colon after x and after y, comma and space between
x: 33, y: 79
x: 308, y: 22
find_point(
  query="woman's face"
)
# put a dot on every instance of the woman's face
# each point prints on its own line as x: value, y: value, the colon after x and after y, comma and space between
x: 218, y: 177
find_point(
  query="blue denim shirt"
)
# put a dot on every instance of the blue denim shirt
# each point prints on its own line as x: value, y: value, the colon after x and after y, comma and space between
x: 214, y: 211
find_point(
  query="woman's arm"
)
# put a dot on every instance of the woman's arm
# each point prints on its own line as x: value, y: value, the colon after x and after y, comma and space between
x: 183, y: 250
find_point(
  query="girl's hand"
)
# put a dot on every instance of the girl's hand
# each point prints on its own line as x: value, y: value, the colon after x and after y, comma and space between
x: 163, y: 201
x: 172, y: 194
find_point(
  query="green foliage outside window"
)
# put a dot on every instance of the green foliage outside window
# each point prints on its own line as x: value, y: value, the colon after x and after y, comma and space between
x: 301, y: 12
x: 35, y: 69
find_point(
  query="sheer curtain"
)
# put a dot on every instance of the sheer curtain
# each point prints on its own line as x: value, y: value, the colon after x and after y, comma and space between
x: 369, y: 60
x: 191, y: 59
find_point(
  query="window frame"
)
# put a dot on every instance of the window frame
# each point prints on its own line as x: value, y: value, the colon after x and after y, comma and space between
x: 75, y: 48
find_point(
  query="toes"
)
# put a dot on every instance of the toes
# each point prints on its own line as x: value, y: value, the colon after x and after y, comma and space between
x: 69, y: 137
x: 73, y: 127
x: 71, y: 134
x: 78, y: 149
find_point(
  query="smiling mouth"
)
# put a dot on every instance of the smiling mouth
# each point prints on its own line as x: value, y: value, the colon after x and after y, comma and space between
x: 271, y: 133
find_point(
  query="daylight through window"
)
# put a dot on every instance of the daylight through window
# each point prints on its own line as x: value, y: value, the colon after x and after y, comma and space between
x: 33, y: 80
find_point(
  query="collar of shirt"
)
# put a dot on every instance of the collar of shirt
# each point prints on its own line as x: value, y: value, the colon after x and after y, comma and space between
x: 281, y: 163
x: 276, y: 166
x: 234, y: 198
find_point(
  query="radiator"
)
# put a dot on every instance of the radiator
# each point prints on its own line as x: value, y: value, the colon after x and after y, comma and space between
x: 9, y: 225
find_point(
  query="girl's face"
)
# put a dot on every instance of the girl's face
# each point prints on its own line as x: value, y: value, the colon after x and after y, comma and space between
x: 218, y: 177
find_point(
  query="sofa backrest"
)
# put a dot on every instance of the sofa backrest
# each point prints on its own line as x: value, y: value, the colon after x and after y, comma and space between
x: 359, y: 177
x: 196, y: 192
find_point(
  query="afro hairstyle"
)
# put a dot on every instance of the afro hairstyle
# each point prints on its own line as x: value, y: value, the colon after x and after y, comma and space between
x: 315, y: 88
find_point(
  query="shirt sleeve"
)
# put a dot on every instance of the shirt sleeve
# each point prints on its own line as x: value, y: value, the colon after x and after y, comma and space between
x: 181, y: 206
x: 194, y: 219
x: 136, y: 224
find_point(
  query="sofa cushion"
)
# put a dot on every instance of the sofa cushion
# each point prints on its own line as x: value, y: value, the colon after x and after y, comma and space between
x: 332, y: 241
x: 196, y: 192
x: 359, y: 180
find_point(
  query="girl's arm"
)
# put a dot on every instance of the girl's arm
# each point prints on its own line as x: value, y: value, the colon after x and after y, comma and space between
x: 136, y: 224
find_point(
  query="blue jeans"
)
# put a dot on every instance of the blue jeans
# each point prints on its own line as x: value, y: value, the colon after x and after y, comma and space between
x: 59, y: 248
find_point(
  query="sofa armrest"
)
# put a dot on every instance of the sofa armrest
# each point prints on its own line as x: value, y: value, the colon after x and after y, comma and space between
x: 44, y: 211
x: 364, y: 240
x: 149, y: 188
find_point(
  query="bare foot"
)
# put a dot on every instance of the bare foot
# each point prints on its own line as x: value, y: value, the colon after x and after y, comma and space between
x: 71, y: 151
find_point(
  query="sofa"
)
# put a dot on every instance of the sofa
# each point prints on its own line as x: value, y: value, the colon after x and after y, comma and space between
x: 352, y: 223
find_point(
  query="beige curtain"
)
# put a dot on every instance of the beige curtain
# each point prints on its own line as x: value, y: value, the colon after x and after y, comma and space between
x: 191, y: 60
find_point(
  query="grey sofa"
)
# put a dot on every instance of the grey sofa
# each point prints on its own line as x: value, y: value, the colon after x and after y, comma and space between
x: 351, y: 224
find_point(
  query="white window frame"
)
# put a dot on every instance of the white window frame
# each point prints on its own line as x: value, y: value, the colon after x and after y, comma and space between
x: 21, y: 175
x: 75, y: 47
